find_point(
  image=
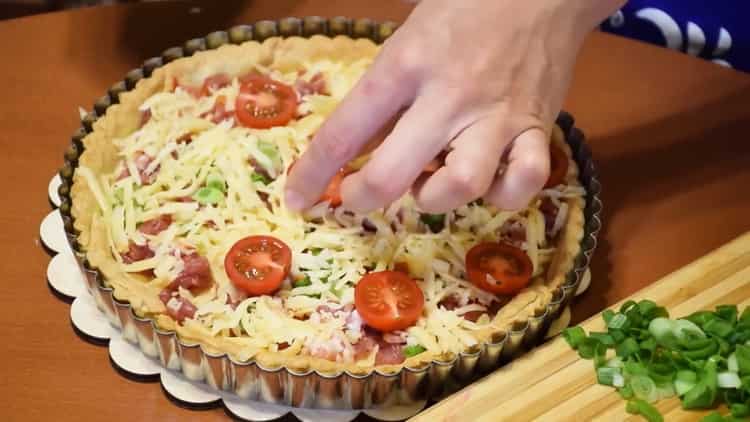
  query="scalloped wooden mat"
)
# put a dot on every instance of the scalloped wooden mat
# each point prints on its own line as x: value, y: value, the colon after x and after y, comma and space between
x: 551, y: 383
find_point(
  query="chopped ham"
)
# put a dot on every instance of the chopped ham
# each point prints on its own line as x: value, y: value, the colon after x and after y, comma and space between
x: 389, y: 353
x: 136, y: 253
x: 142, y: 161
x: 316, y: 85
x: 156, y: 225
x: 452, y: 302
x: 195, y: 275
x: 178, y: 307
x: 219, y: 112
x: 364, y: 347
x: 549, y: 210
x: 395, y: 337
x: 513, y: 232
x: 145, y: 116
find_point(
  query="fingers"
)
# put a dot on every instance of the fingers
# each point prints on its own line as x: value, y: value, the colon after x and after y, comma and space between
x: 527, y: 171
x: 469, y: 168
x: 367, y: 108
x: 417, y: 138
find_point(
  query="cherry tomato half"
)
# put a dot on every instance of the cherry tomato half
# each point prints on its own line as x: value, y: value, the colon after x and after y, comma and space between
x: 558, y: 164
x: 332, y: 194
x: 264, y: 103
x: 388, y: 300
x: 498, y: 267
x: 258, y: 264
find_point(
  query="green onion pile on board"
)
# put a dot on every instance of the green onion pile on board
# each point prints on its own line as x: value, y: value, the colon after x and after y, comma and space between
x: 703, y: 358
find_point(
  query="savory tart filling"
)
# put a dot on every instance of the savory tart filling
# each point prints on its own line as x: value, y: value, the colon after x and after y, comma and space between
x: 190, y: 226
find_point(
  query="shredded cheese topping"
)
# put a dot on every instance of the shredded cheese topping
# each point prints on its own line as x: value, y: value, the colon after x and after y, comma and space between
x: 162, y: 172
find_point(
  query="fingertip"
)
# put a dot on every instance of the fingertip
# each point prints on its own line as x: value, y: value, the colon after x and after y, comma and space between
x: 294, y: 201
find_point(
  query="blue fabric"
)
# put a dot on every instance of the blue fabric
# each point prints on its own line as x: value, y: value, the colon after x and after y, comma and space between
x: 715, y: 30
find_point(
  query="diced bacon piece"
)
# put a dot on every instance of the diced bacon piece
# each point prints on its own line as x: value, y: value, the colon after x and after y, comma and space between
x: 316, y: 85
x: 186, y: 138
x: 395, y: 337
x: 142, y: 161
x: 145, y: 116
x: 389, y: 354
x: 136, y: 253
x: 178, y: 307
x: 513, y: 232
x: 196, y: 274
x: 219, y: 112
x: 156, y: 225
x: 452, y: 302
x: 364, y: 346
x: 549, y: 210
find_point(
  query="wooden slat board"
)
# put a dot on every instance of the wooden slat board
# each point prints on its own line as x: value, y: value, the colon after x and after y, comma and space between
x: 551, y: 383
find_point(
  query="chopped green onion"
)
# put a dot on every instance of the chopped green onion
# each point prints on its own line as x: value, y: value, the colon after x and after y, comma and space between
x: 703, y: 395
x: 644, y: 388
x: 615, y: 362
x: 713, y: 417
x: 316, y: 251
x: 603, y: 338
x: 684, y: 329
x: 627, y: 305
x: 260, y: 177
x: 684, y: 381
x: 413, y: 350
x: 728, y: 380
x: 269, y: 150
x: 732, y: 364
x: 727, y: 313
x: 702, y: 353
x: 436, y: 222
x: 628, y: 347
x: 718, y: 327
x: 641, y: 407
x: 208, y: 196
x: 740, y: 410
x: 607, y: 315
x: 303, y: 282
x: 626, y: 392
x: 216, y: 181
x: 606, y: 375
x: 574, y: 336
x: 742, y: 353
x: 618, y: 321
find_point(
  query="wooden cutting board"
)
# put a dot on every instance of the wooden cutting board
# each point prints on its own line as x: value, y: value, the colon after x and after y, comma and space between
x: 551, y: 383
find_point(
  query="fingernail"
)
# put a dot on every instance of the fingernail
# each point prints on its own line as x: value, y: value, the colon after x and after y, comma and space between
x: 294, y: 200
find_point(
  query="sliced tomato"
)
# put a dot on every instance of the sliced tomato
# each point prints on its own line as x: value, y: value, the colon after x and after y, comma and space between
x: 388, y: 300
x: 332, y: 194
x: 498, y: 267
x: 558, y: 163
x: 264, y: 103
x: 258, y: 264
x: 215, y: 82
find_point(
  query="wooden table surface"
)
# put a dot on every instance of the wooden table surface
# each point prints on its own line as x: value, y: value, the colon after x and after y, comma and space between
x: 669, y: 134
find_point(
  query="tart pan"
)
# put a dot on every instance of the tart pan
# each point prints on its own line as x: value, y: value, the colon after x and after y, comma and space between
x: 285, y: 386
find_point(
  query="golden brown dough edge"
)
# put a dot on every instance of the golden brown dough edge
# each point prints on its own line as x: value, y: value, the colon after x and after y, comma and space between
x: 100, y: 156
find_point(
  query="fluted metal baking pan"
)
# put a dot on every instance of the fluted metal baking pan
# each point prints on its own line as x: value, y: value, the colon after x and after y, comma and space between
x: 282, y: 385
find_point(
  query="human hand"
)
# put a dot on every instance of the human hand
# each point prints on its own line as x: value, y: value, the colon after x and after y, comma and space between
x: 481, y: 79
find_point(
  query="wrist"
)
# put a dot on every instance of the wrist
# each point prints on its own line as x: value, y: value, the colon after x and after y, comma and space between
x: 593, y: 12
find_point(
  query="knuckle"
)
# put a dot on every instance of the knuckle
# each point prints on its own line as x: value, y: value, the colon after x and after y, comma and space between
x: 380, y: 184
x: 467, y: 183
x: 532, y: 171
